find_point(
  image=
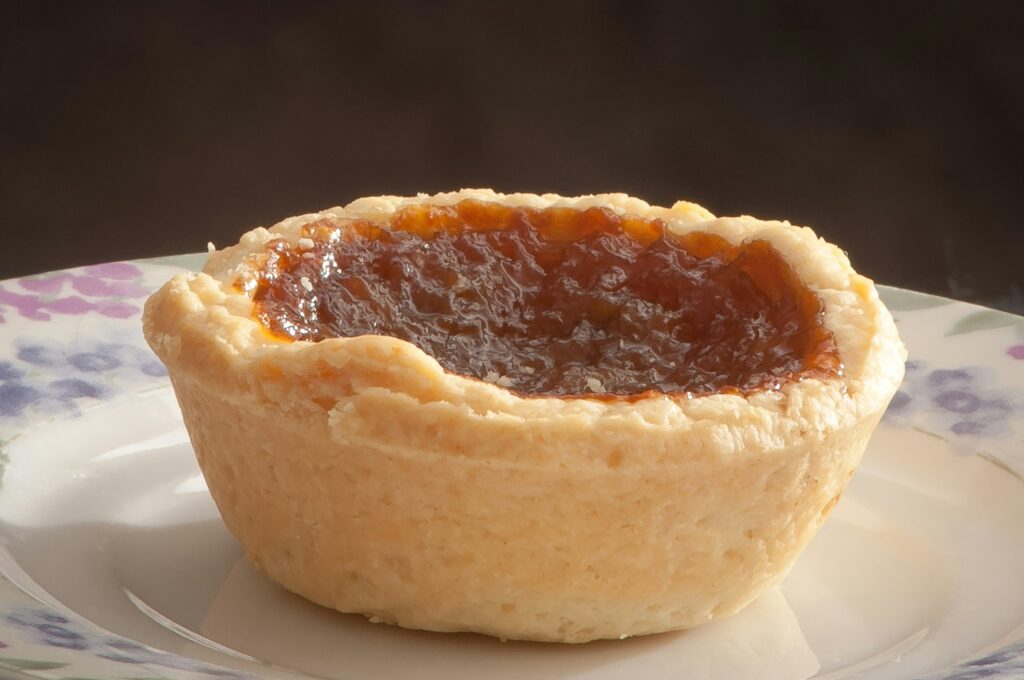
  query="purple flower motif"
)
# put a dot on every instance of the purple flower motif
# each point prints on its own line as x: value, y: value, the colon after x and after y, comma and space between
x: 957, y: 401
x: 73, y: 388
x: 96, y: 287
x: 102, y: 289
x: 127, y: 646
x: 55, y: 630
x: 15, y: 398
x: 57, y: 378
x: 962, y: 401
x: 899, y: 404
x: 118, y: 271
x: 950, y: 379
x: 51, y: 617
x: 1016, y: 352
x: 27, y: 305
x: 968, y: 428
x: 9, y: 371
x: 93, y: 362
x: 45, y: 284
x: 50, y: 629
x: 117, y: 310
x: 130, y: 652
x: 61, y: 636
x: 68, y: 305
x: 40, y: 355
x: 154, y: 368
x: 1006, y: 662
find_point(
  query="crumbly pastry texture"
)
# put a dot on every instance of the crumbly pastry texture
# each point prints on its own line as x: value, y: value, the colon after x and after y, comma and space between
x: 358, y: 473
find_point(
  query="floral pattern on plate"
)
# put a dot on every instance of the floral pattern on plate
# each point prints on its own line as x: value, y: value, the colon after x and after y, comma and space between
x: 70, y: 340
x: 112, y: 290
x: 56, y: 631
x: 967, y: 402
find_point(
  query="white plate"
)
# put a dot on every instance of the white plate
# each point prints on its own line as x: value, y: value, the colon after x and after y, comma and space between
x: 116, y: 565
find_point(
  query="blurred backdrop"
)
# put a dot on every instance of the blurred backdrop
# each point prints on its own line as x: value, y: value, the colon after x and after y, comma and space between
x: 895, y: 129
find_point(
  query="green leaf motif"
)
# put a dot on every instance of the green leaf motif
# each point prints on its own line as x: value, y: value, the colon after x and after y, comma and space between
x: 984, y: 320
x: 29, y: 664
x: 900, y: 300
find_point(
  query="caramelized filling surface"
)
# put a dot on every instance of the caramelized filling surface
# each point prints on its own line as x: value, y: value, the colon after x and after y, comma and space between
x: 553, y: 302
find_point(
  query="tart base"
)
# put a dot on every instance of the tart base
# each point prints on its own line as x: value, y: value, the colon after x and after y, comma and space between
x: 418, y: 539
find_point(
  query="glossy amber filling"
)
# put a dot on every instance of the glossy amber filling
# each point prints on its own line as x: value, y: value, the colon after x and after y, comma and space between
x: 553, y: 301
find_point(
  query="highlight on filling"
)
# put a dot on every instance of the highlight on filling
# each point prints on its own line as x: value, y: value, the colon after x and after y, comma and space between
x: 554, y: 301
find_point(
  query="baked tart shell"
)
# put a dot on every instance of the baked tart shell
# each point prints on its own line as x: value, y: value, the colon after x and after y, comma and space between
x: 361, y: 475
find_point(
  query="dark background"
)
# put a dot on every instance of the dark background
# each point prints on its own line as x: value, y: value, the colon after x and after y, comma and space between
x: 895, y: 129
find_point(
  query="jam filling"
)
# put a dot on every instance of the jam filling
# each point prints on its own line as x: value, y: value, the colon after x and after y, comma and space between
x: 553, y: 301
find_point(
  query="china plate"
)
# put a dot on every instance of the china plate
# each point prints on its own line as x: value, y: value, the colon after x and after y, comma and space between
x: 115, y: 564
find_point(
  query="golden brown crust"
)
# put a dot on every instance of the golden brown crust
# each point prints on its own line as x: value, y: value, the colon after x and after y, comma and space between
x: 358, y: 473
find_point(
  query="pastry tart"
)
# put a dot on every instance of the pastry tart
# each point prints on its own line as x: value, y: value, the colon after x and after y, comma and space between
x: 535, y: 417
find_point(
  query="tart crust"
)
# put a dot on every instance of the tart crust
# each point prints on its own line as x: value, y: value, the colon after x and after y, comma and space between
x: 358, y: 473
